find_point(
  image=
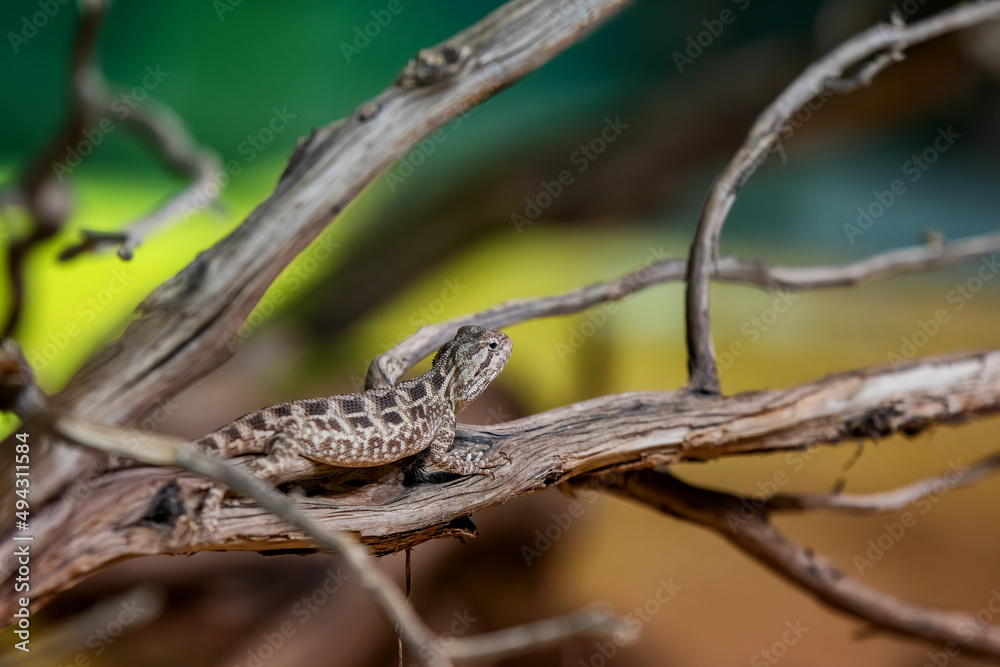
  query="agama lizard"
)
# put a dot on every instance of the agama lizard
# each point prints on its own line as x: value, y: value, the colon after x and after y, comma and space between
x: 372, y: 428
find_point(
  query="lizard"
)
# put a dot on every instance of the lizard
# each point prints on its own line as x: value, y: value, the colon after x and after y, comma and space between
x: 372, y: 428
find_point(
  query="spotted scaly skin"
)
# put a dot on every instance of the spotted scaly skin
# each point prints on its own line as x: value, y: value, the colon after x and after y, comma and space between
x: 372, y: 428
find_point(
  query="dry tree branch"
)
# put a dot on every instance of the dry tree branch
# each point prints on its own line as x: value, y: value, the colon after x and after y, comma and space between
x: 188, y: 325
x: 543, y: 634
x: 388, y: 367
x: 763, y: 136
x: 610, y: 433
x: 18, y: 392
x: 91, y: 99
x: 44, y: 196
x: 887, y: 501
x: 753, y: 534
x: 170, y: 139
x: 167, y: 135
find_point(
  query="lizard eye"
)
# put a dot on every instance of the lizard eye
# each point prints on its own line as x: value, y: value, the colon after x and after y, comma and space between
x: 493, y: 345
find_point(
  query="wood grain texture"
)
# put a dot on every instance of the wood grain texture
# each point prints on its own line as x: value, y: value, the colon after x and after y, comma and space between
x: 187, y: 326
x: 91, y: 519
x: 120, y: 518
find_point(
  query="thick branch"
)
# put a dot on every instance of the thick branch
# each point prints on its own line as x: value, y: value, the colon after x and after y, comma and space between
x: 188, y: 325
x: 19, y: 392
x: 391, y: 365
x: 763, y: 136
x: 756, y: 536
x: 625, y: 431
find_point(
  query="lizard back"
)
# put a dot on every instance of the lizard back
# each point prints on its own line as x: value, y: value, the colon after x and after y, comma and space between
x: 374, y: 427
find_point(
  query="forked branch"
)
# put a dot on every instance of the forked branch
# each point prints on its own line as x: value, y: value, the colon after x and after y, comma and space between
x: 388, y: 367
x: 763, y: 137
x: 752, y: 533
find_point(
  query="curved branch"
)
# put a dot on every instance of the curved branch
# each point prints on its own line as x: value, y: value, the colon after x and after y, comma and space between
x: 46, y: 197
x: 755, y: 536
x: 763, y: 136
x: 621, y: 432
x: 542, y: 634
x: 171, y: 140
x: 388, y: 367
x: 887, y: 501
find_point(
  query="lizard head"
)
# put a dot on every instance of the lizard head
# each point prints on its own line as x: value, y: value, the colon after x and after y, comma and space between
x: 472, y: 359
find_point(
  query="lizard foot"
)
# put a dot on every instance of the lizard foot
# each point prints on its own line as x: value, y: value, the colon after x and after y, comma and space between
x: 211, y: 510
x: 469, y: 462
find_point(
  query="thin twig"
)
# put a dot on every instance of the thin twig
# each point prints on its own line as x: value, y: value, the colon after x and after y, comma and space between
x: 44, y: 194
x: 702, y: 369
x: 753, y: 534
x: 887, y: 501
x: 391, y: 365
x: 45, y: 197
x: 171, y: 140
x: 543, y: 634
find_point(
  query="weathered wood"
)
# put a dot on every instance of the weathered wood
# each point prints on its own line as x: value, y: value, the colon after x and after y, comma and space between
x: 93, y: 520
x: 187, y: 326
x: 874, y: 49
x: 618, y: 432
x: 756, y: 536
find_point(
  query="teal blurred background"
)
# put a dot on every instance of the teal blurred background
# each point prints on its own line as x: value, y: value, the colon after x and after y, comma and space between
x: 437, y: 239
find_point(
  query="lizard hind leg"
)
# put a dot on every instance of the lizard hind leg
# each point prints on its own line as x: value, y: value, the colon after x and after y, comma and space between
x: 281, y: 456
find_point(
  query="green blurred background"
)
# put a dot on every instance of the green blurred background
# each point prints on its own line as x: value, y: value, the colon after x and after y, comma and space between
x: 437, y: 240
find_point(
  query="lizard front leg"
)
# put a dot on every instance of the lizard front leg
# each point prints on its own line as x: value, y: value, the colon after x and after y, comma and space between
x: 470, y: 464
